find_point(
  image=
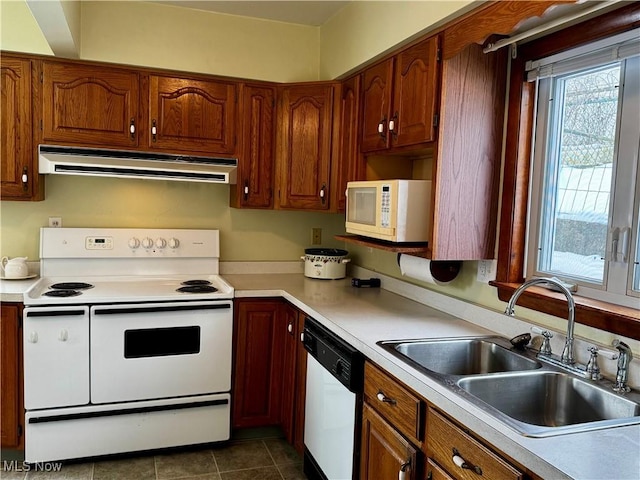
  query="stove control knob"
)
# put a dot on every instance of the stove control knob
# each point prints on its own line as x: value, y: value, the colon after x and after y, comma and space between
x: 161, y: 243
x: 147, y: 242
x: 134, y: 242
x: 174, y: 243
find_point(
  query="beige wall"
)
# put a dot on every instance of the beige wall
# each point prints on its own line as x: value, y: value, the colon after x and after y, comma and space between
x: 364, y: 30
x: 19, y: 31
x: 154, y: 35
x: 108, y: 202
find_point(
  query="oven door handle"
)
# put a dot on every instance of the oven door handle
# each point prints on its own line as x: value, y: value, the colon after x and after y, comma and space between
x: 158, y: 309
x: 56, y: 313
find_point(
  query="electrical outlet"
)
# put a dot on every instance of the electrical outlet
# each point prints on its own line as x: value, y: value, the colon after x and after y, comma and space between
x: 316, y: 236
x: 55, y: 222
x: 486, y: 270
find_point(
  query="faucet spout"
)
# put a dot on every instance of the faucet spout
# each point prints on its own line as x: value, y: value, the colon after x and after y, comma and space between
x: 567, y: 353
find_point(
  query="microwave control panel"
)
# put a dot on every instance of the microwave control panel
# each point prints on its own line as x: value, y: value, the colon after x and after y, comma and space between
x: 386, y: 206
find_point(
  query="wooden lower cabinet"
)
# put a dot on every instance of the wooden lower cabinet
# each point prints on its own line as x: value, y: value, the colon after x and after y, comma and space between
x: 384, y: 452
x: 446, y: 441
x: 11, y: 411
x: 269, y: 367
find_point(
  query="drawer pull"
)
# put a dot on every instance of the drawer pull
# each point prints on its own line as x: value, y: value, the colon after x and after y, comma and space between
x: 383, y: 398
x: 462, y: 463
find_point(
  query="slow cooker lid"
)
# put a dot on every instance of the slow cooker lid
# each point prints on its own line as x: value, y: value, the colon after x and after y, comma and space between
x: 329, y: 252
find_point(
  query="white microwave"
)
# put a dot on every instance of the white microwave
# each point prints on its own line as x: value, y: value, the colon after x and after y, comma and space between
x: 392, y: 210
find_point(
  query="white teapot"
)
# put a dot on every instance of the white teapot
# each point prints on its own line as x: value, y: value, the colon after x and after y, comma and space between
x: 14, y: 268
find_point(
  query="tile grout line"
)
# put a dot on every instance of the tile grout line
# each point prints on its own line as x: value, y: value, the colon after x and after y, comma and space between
x: 215, y: 462
x: 272, y: 459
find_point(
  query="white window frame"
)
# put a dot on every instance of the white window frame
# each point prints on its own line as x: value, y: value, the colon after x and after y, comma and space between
x: 618, y: 276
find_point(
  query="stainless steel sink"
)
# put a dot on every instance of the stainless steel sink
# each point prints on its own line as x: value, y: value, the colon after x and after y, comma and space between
x: 531, y: 395
x: 462, y: 356
x: 546, y: 403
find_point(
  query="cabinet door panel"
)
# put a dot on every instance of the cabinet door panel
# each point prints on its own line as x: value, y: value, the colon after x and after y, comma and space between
x: 258, y: 351
x: 376, y: 106
x: 305, y: 149
x: 15, y: 146
x: 10, y: 373
x: 415, y: 94
x: 89, y: 105
x: 191, y: 115
x: 384, y: 451
x: 255, y: 163
x: 350, y: 164
x: 289, y: 326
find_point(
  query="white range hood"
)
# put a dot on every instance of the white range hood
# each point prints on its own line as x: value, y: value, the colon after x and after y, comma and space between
x: 59, y: 160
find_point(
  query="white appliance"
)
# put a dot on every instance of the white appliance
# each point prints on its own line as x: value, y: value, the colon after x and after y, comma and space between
x: 391, y: 210
x: 333, y: 405
x: 95, y: 162
x: 127, y: 343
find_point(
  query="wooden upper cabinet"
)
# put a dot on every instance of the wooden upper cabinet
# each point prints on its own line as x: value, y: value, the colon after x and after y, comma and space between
x: 350, y: 164
x: 399, y: 99
x: 254, y: 188
x: 469, y: 155
x: 19, y: 168
x: 90, y: 105
x: 192, y: 115
x: 304, y: 146
x: 414, y: 97
x: 377, y: 82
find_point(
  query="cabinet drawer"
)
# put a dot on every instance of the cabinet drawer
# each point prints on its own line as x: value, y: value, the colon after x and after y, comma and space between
x: 434, y: 472
x: 398, y: 405
x: 444, y: 438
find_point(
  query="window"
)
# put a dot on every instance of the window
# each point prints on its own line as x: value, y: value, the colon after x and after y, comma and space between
x: 584, y: 212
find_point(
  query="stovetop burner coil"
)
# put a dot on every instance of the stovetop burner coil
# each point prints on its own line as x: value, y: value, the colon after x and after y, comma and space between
x: 197, y: 289
x: 196, y: 282
x: 71, y: 286
x: 62, y: 293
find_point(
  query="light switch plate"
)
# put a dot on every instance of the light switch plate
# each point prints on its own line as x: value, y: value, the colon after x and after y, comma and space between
x: 486, y: 270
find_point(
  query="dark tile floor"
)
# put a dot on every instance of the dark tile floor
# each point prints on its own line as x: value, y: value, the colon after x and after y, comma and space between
x: 268, y: 458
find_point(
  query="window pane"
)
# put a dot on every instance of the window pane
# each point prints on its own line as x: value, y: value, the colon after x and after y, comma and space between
x: 578, y: 178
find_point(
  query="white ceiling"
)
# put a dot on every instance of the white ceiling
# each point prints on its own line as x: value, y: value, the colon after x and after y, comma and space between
x: 302, y: 12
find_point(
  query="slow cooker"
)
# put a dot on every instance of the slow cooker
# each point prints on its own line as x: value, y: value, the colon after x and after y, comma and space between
x: 325, y: 263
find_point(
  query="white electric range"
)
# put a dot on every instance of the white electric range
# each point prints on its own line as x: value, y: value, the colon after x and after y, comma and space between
x: 127, y: 343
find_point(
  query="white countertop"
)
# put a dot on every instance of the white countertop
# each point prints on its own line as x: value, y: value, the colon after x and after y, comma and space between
x: 365, y: 316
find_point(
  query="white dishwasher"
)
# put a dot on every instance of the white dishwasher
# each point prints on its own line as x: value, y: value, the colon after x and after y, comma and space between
x: 335, y: 377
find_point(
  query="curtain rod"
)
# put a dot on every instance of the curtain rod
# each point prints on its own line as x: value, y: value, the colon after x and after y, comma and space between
x: 492, y: 47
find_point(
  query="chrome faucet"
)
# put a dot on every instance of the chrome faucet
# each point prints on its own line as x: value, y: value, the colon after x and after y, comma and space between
x: 624, y: 358
x: 567, y: 352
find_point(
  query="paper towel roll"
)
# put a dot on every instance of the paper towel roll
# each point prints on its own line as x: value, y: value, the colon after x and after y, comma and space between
x: 436, y: 272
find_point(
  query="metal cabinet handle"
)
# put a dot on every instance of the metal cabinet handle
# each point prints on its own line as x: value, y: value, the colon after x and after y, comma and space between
x: 25, y: 179
x: 154, y: 130
x: 402, y: 474
x: 322, y: 193
x: 383, y: 398
x: 459, y: 461
x: 132, y: 128
x: 246, y: 189
x: 290, y: 327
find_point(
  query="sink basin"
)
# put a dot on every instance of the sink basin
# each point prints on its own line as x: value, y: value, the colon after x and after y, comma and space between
x: 535, y: 398
x: 462, y: 356
x: 546, y: 403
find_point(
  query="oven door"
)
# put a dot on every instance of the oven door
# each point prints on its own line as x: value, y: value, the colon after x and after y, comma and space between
x: 160, y: 350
